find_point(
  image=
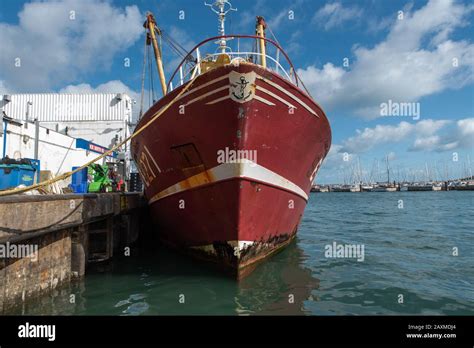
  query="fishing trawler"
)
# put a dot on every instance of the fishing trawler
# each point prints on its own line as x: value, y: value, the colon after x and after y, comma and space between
x: 384, y: 187
x: 228, y: 165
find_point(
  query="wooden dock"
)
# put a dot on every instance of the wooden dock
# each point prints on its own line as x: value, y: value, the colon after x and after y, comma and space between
x: 65, y: 232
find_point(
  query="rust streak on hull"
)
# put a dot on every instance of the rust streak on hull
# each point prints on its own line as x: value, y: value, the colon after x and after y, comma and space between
x: 234, y: 215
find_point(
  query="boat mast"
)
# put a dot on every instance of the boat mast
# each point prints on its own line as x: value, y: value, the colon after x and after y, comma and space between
x: 150, y: 24
x: 469, y: 168
x: 359, y: 170
x: 260, y: 31
x: 221, y: 7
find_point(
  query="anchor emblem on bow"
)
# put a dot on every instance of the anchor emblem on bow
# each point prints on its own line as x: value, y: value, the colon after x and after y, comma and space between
x: 241, y: 86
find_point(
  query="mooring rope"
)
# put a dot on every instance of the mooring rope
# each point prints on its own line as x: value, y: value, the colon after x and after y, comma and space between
x: 108, y: 152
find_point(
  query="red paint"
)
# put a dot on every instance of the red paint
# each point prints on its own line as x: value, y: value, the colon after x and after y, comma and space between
x: 290, y: 145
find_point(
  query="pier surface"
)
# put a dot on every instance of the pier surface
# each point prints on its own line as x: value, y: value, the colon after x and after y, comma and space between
x: 47, y: 240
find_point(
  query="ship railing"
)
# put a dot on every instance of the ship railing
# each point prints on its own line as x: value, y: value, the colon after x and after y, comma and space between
x: 248, y: 55
x: 191, y: 65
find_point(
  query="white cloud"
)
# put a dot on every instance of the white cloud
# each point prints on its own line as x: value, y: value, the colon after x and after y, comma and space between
x: 383, y: 134
x: 114, y: 86
x: 426, y: 143
x: 376, y: 24
x: 53, y: 48
x: 429, y: 127
x: 334, y: 14
x: 334, y: 157
x: 462, y: 136
x: 275, y: 21
x: 466, y: 128
x: 426, y: 135
x: 294, y: 47
x: 324, y: 84
x: 380, y: 134
x: 415, y: 60
x: 3, y: 88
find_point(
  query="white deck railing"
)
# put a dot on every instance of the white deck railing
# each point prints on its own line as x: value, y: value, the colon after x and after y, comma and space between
x: 285, y: 69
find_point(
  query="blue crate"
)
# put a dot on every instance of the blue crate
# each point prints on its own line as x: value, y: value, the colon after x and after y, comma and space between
x: 79, y: 181
x: 13, y: 175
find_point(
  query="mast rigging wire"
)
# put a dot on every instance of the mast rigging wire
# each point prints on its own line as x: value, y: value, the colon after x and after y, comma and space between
x: 296, y: 74
x: 143, y: 77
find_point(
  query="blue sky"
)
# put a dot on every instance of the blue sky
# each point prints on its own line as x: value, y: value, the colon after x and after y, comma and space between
x: 423, y: 54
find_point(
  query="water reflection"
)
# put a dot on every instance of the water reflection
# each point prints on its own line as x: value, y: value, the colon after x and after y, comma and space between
x: 280, y: 286
x: 157, y: 281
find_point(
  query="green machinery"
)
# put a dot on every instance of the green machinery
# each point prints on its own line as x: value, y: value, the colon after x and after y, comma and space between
x: 100, y: 178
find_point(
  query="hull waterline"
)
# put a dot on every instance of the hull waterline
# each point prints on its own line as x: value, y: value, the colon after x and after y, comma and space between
x: 232, y: 211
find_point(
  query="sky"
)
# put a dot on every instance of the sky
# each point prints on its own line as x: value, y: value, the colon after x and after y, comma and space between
x: 360, y: 60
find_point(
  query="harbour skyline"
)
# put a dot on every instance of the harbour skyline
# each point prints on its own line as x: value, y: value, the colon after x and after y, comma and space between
x: 390, y: 85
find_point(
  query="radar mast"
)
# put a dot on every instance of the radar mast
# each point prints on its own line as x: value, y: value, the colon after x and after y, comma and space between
x: 221, y: 8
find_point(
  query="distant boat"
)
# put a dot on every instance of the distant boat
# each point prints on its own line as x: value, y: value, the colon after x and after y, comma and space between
x: 355, y: 188
x: 341, y: 188
x: 462, y: 186
x: 383, y: 188
x: 367, y: 188
x: 318, y: 188
x: 420, y: 187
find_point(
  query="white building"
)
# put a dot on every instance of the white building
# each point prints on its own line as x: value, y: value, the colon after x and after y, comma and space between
x: 57, y: 152
x: 103, y: 119
x: 73, y: 128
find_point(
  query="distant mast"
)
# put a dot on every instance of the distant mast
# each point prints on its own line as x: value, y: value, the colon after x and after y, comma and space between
x: 221, y: 7
x: 388, y: 172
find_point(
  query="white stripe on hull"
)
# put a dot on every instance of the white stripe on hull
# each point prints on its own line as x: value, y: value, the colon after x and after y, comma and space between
x: 295, y: 98
x: 263, y: 100
x: 243, y: 169
x: 259, y: 98
x: 264, y: 90
x: 218, y: 100
x: 256, y: 97
x: 204, y: 85
x: 214, y: 91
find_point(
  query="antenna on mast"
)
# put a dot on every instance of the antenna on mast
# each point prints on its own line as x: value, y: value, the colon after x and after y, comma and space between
x: 221, y: 8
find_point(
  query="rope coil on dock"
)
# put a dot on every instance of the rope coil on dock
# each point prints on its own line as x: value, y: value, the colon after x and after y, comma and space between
x: 108, y: 152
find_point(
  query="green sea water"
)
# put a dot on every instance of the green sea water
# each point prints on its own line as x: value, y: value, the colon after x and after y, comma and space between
x: 418, y: 259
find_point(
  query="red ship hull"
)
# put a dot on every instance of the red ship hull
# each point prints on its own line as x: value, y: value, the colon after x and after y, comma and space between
x: 233, y: 212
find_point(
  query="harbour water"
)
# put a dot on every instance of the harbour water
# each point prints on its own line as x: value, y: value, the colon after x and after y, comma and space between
x: 410, y: 242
